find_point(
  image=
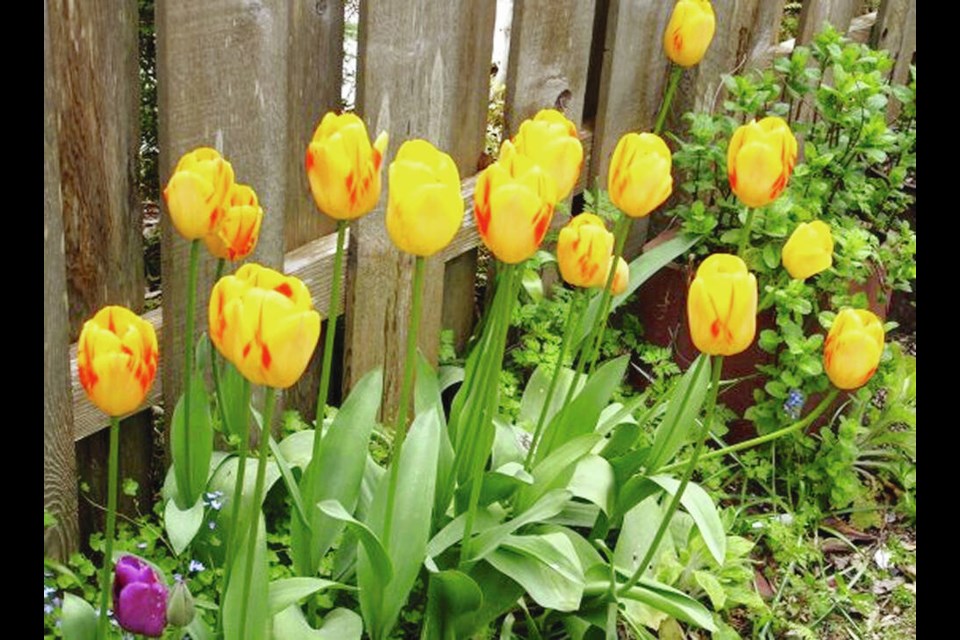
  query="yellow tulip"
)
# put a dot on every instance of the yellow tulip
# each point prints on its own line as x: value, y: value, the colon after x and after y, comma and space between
x: 343, y: 168
x: 551, y: 140
x: 621, y: 278
x: 689, y: 32
x: 760, y: 159
x: 853, y: 348
x: 424, y: 206
x: 583, y: 251
x: 264, y: 323
x: 639, y: 177
x: 239, y: 226
x: 197, y: 188
x: 722, y: 306
x: 809, y: 250
x: 513, y: 205
x: 117, y: 359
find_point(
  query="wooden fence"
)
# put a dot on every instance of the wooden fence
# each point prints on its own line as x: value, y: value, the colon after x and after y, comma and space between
x: 252, y: 78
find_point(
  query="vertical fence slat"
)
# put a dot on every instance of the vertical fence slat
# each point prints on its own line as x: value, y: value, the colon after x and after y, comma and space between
x: 549, y: 58
x: 59, y: 480
x: 315, y: 75
x: 896, y: 31
x: 422, y: 71
x: 746, y: 31
x: 94, y: 55
x: 839, y: 13
x: 222, y: 82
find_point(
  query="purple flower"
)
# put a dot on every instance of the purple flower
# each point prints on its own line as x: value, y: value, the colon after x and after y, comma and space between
x: 139, y: 598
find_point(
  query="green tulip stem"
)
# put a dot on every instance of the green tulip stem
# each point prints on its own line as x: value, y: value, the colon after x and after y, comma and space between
x: 745, y: 231
x: 676, y: 72
x: 105, y: 582
x: 600, y: 324
x: 237, y: 499
x: 269, y: 402
x: 188, y: 345
x: 571, y: 323
x: 215, y: 363
x: 770, y: 437
x: 501, y: 327
x: 684, y: 481
x: 329, y: 334
x: 406, y: 389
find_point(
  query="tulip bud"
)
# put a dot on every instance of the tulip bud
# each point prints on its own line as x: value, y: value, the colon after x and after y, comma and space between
x: 689, y: 32
x: 343, y: 168
x: 760, y: 159
x: 583, y: 251
x: 639, y: 177
x: 424, y: 206
x: 117, y: 359
x: 197, y: 188
x: 264, y: 323
x: 139, y: 598
x: 551, y: 140
x: 809, y: 250
x: 722, y: 306
x: 180, y: 608
x: 621, y: 278
x: 851, y: 353
x: 513, y: 205
x: 239, y: 225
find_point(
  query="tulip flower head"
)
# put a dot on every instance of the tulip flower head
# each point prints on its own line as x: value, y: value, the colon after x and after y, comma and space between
x: 722, y: 306
x: 117, y: 359
x: 639, y: 177
x: 621, y: 278
x: 851, y: 353
x: 264, y: 323
x: 760, y: 159
x: 551, y: 140
x: 583, y: 251
x: 139, y: 598
x: 689, y: 32
x: 513, y: 205
x: 196, y: 190
x: 238, y: 227
x: 809, y: 250
x: 343, y: 167
x: 424, y: 206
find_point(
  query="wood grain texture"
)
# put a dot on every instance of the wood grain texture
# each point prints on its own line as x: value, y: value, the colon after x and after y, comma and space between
x: 839, y: 13
x: 896, y: 31
x: 549, y: 59
x: 422, y: 72
x: 222, y: 82
x: 93, y: 48
x: 59, y: 480
x: 459, y: 306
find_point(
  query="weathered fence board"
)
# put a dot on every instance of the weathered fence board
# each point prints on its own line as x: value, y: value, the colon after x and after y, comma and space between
x: 896, y: 31
x: 59, y: 479
x: 549, y: 59
x: 417, y: 76
x: 233, y: 96
x: 94, y: 65
x: 839, y: 13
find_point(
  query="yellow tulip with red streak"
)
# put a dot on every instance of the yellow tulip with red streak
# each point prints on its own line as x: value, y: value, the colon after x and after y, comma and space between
x: 689, y: 32
x: 424, y: 206
x: 239, y: 226
x: 851, y: 353
x: 809, y: 250
x: 639, y: 179
x: 264, y: 323
x: 722, y: 306
x: 583, y: 251
x: 621, y: 278
x: 760, y: 159
x: 513, y: 205
x: 196, y: 190
x: 551, y: 140
x: 117, y: 359
x: 343, y: 168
